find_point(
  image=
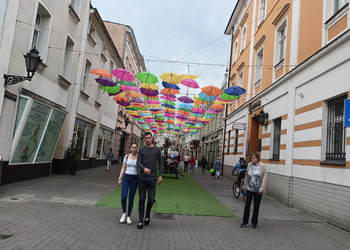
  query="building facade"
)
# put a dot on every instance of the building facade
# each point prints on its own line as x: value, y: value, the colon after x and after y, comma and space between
x: 62, y: 103
x: 292, y: 58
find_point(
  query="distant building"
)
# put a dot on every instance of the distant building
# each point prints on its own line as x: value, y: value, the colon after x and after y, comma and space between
x: 292, y: 57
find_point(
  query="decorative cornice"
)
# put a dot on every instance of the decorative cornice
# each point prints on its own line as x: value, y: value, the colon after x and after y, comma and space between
x: 281, y: 14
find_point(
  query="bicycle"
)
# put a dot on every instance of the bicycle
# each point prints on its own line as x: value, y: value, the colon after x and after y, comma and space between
x: 236, y: 193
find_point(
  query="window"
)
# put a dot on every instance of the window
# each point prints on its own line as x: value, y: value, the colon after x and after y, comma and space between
x: 281, y: 42
x: 240, y: 79
x: 104, y: 143
x: 338, y: 4
x: 68, y: 59
x: 276, y: 139
x: 228, y: 141
x: 41, y: 32
x: 82, y: 136
x: 86, y: 84
x: 75, y: 5
x: 335, y: 146
x: 259, y: 65
x: 244, y: 35
x: 262, y: 11
x: 235, y: 52
x: 236, y: 142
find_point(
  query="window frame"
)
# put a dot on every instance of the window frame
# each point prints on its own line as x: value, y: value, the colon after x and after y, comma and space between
x: 259, y: 54
x: 276, y: 139
x: 68, y: 58
x: 228, y: 142
x: 243, y: 38
x: 86, y: 77
x: 280, y: 57
x: 235, y: 51
x: 261, y: 12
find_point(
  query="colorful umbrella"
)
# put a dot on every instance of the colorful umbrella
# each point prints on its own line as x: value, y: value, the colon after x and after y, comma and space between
x: 149, y: 92
x: 126, y: 83
x: 198, y: 111
x: 129, y: 88
x: 138, y: 100
x: 234, y: 90
x: 211, y: 90
x: 227, y: 97
x: 152, y: 102
x: 171, y: 77
x: 190, y: 83
x: 147, y: 77
x: 185, y: 99
x: 206, y: 98
x: 124, y: 103
x: 104, y: 81
x: 101, y: 72
x: 170, y: 91
x: 149, y: 86
x: 218, y: 106
x: 123, y: 74
x: 111, y: 89
x: 168, y: 98
x: 133, y: 94
x: 192, y: 77
x: 169, y: 85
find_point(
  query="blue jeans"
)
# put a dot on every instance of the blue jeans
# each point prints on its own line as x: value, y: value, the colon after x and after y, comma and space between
x: 130, y: 183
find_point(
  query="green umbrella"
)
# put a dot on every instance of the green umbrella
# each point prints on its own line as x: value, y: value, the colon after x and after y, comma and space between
x: 228, y: 97
x: 126, y: 83
x: 111, y: 89
x: 168, y: 102
x: 147, y: 77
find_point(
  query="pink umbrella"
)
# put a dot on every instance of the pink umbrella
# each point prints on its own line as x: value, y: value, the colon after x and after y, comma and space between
x: 219, y: 99
x: 153, y: 102
x: 123, y: 74
x: 129, y: 88
x: 169, y: 115
x: 170, y: 95
x: 168, y: 98
x: 189, y: 83
x: 198, y: 111
x: 138, y: 100
x: 185, y: 99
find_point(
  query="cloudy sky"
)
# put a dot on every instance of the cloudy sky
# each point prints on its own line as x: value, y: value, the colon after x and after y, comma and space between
x: 186, y: 31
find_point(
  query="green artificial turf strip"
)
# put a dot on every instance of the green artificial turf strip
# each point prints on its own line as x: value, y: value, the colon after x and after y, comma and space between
x: 176, y: 196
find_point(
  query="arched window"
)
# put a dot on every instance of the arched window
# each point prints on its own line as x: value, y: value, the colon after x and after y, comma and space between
x: 244, y: 35
x: 262, y: 11
x: 235, y: 51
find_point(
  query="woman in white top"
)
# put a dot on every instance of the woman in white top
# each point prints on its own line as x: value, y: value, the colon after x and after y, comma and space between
x: 130, y: 182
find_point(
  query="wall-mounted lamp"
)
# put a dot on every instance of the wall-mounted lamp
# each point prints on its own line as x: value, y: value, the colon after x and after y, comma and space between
x: 263, y: 117
x: 33, y: 61
x: 126, y: 123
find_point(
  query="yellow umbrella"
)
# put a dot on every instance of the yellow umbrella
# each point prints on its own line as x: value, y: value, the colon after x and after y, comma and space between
x: 192, y: 77
x: 195, y: 104
x: 149, y: 86
x: 171, y: 77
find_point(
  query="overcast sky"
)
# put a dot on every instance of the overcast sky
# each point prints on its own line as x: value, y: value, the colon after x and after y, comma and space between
x: 171, y: 30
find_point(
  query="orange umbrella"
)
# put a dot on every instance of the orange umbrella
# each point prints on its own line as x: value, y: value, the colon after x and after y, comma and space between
x: 118, y: 98
x: 170, y: 91
x: 167, y: 110
x: 218, y: 106
x: 133, y: 94
x: 101, y: 72
x: 140, y: 105
x: 211, y: 90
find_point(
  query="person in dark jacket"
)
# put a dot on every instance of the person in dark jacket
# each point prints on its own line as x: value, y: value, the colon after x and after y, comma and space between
x: 204, y: 164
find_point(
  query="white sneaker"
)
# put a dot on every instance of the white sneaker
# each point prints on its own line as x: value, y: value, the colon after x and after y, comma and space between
x: 123, y: 218
x: 128, y: 220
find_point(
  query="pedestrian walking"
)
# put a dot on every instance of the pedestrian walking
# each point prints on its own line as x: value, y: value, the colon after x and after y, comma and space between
x: 204, y: 164
x: 121, y: 155
x: 192, y: 164
x: 148, y: 158
x: 109, y: 158
x: 129, y: 177
x: 217, y: 167
x: 186, y: 162
x: 254, y: 185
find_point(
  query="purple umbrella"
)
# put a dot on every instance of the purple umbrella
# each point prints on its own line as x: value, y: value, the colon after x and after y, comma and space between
x: 124, y: 103
x: 104, y: 81
x: 185, y: 99
x: 138, y: 100
x: 149, y: 92
x: 170, y: 95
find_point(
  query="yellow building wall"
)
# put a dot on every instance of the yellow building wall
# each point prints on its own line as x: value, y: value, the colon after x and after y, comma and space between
x: 310, y: 34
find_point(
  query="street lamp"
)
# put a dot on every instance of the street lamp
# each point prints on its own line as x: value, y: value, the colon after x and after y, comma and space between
x: 263, y: 117
x: 32, y: 60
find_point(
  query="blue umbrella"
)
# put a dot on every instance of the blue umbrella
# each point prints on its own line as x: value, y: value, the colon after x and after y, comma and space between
x: 168, y: 106
x: 234, y: 90
x: 186, y: 106
x: 169, y: 85
x: 206, y: 97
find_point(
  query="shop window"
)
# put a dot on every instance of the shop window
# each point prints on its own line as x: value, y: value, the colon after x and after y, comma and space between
x: 276, y: 139
x: 82, y: 137
x: 336, y: 136
x: 104, y: 143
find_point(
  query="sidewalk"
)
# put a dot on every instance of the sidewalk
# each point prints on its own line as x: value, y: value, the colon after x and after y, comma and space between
x: 58, y: 212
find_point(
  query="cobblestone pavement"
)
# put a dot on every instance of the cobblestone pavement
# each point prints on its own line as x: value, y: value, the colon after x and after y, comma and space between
x: 58, y: 212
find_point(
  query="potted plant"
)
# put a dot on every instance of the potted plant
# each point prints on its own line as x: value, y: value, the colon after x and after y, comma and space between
x: 72, y: 157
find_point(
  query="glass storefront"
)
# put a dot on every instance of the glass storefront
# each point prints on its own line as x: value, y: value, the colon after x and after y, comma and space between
x: 104, y: 143
x: 82, y: 136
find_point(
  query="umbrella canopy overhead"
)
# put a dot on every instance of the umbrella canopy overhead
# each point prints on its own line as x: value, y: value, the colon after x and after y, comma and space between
x: 170, y: 91
x: 126, y: 83
x: 149, y: 86
x: 185, y: 99
x: 171, y: 77
x: 206, y: 98
x: 104, y: 81
x: 169, y: 85
x: 190, y: 83
x: 147, y: 77
x: 149, y: 92
x: 235, y: 90
x: 123, y: 74
x: 168, y: 98
x: 211, y: 90
x: 101, y: 72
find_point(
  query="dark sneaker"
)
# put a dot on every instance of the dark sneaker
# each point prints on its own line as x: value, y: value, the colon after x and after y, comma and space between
x: 140, y: 225
x: 244, y: 225
x: 147, y: 221
x: 254, y: 226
